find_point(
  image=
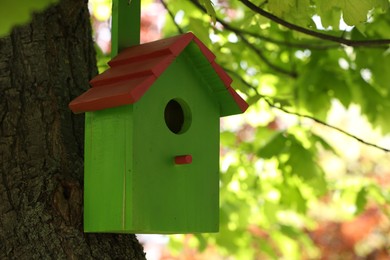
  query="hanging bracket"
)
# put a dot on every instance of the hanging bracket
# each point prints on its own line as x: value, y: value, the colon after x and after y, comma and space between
x: 125, y: 25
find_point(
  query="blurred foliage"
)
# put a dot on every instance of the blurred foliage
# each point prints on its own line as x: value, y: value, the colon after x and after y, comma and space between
x: 101, y: 9
x: 18, y: 12
x: 285, y: 180
x: 274, y: 177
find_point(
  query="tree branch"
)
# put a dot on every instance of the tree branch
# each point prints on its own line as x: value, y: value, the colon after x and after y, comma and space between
x: 341, y: 40
x: 242, y: 80
x: 259, y: 53
x: 172, y: 16
x: 281, y: 70
x: 272, y: 104
x: 297, y: 45
x: 317, y: 46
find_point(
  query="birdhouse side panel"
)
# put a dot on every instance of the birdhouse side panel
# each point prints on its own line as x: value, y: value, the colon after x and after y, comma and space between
x: 177, y: 117
x: 108, y: 162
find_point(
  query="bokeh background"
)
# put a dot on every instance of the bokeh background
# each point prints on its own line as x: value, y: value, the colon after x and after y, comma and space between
x: 297, y: 182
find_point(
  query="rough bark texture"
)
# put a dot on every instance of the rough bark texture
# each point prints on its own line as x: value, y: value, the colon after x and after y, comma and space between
x: 42, y: 67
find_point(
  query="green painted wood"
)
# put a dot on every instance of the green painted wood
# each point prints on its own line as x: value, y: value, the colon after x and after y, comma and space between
x: 203, y: 68
x: 126, y: 24
x: 132, y: 184
x: 176, y: 198
x: 107, y: 182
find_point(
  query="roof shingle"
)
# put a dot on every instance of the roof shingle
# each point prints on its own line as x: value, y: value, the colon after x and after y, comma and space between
x: 135, y: 69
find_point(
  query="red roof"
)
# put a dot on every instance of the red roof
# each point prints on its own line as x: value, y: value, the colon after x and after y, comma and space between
x: 135, y: 69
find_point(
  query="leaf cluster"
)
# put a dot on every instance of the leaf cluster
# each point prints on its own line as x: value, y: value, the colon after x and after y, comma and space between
x: 299, y: 57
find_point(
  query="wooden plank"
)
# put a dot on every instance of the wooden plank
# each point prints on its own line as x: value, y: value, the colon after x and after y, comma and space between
x: 126, y: 24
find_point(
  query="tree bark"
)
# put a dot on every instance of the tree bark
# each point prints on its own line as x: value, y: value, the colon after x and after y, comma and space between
x: 43, y: 66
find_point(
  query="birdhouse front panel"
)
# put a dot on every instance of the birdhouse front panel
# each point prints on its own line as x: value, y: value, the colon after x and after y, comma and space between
x: 152, y: 139
x: 178, y: 116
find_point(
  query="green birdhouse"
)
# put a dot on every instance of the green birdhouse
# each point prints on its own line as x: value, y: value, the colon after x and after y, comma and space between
x: 152, y: 139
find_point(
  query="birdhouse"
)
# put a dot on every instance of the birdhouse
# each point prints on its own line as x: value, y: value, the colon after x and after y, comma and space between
x: 152, y: 139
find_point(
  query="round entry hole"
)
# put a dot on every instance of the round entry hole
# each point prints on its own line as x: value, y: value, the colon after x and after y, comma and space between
x: 177, y: 116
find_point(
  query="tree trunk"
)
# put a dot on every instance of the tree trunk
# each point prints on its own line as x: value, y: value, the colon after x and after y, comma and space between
x: 43, y: 66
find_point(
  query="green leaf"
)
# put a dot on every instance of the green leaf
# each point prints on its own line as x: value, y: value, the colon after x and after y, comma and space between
x: 198, y: 27
x: 102, y: 59
x: 292, y: 199
x: 268, y: 249
x: 356, y: 11
x: 329, y: 12
x: 275, y: 146
x: 280, y: 7
x: 380, y: 28
x: 14, y: 13
x: 228, y: 139
x: 297, y: 11
x: 289, y: 231
x: 270, y: 210
x: 302, y: 163
x: 373, y: 93
x: 316, y: 139
x: 210, y: 9
x: 361, y: 200
x: 202, y: 242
